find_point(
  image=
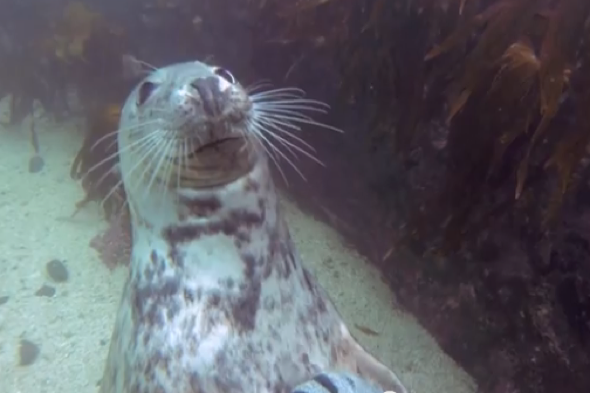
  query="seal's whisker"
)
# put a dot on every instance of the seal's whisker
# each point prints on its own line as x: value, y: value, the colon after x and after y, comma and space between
x: 191, y: 148
x: 112, y: 158
x: 106, y: 174
x: 131, y: 130
x: 187, y: 148
x: 284, y: 123
x: 286, y: 91
x: 111, y: 192
x: 285, y: 142
x: 288, y: 106
x: 304, y: 103
x: 260, y: 131
x: 277, y: 116
x: 257, y: 86
x: 113, y: 155
x: 260, y: 139
x: 268, y: 98
x: 148, y: 156
x: 142, y: 147
x: 115, y: 132
x: 289, y: 118
x: 303, y: 120
x: 111, y: 134
x: 113, y: 143
x: 291, y: 115
x: 264, y: 113
x: 181, y: 157
x: 290, y: 146
x: 146, y: 141
x: 163, y: 156
x: 291, y: 103
x: 167, y: 170
x: 293, y: 111
x: 145, y: 154
x: 276, y: 125
x: 293, y: 148
x: 141, y: 144
x: 261, y: 128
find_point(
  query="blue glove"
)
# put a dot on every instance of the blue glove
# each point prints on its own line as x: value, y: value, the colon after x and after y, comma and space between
x: 336, y: 382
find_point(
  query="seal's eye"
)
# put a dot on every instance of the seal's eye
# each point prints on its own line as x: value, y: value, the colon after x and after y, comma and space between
x: 145, y: 91
x: 225, y: 74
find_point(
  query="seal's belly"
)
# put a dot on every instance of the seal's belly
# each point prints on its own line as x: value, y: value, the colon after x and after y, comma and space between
x: 173, y: 338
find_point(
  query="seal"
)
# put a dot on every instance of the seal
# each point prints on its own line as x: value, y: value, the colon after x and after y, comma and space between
x: 217, y: 299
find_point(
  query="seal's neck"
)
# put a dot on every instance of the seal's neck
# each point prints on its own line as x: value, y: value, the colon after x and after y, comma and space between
x: 252, y: 193
x: 226, y: 232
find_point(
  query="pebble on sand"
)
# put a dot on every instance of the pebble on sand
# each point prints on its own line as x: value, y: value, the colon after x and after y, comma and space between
x: 36, y: 164
x: 57, y: 270
x: 45, y: 290
x: 4, y: 299
x: 28, y: 352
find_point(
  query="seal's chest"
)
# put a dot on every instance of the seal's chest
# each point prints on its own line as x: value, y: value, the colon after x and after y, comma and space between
x: 178, y: 337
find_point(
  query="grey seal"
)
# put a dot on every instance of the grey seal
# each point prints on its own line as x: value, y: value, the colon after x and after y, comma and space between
x: 218, y: 299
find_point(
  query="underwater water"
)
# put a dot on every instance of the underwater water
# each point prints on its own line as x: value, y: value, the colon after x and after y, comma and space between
x: 58, y: 301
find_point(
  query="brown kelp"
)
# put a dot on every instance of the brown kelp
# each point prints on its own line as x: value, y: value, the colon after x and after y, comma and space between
x: 510, y: 25
x: 95, y: 163
x: 89, y: 49
x: 514, y: 54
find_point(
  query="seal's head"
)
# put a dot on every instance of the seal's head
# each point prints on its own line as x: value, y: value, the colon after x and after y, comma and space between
x: 188, y: 122
x: 192, y: 125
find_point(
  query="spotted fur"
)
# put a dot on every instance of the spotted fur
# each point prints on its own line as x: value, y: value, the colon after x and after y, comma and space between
x: 217, y: 299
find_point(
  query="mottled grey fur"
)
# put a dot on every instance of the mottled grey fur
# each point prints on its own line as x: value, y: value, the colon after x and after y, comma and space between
x: 217, y: 299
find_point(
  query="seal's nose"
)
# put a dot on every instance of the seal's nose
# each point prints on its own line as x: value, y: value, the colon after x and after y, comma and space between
x: 211, y: 97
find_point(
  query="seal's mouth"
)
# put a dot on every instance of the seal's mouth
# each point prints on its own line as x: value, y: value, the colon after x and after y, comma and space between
x: 218, y: 145
x: 215, y: 162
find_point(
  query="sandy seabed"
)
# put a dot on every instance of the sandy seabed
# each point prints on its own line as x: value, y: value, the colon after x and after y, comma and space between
x: 72, y: 329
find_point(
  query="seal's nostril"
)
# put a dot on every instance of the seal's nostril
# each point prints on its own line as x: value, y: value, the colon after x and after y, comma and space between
x: 211, y: 97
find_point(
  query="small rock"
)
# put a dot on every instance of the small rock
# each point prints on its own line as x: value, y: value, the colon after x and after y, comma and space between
x: 36, y: 164
x: 28, y: 352
x: 45, y: 290
x: 57, y: 270
x: 3, y: 299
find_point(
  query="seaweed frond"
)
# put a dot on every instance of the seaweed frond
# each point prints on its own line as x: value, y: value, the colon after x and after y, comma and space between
x: 91, y: 165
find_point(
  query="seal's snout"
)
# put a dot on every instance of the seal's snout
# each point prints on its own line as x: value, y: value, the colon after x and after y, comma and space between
x: 212, y: 98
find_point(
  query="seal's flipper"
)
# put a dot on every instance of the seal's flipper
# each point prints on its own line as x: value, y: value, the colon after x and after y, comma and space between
x: 373, y: 369
x: 369, y: 367
x: 336, y: 382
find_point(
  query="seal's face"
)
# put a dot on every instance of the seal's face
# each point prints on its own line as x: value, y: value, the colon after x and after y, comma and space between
x: 191, y: 126
x: 193, y: 120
